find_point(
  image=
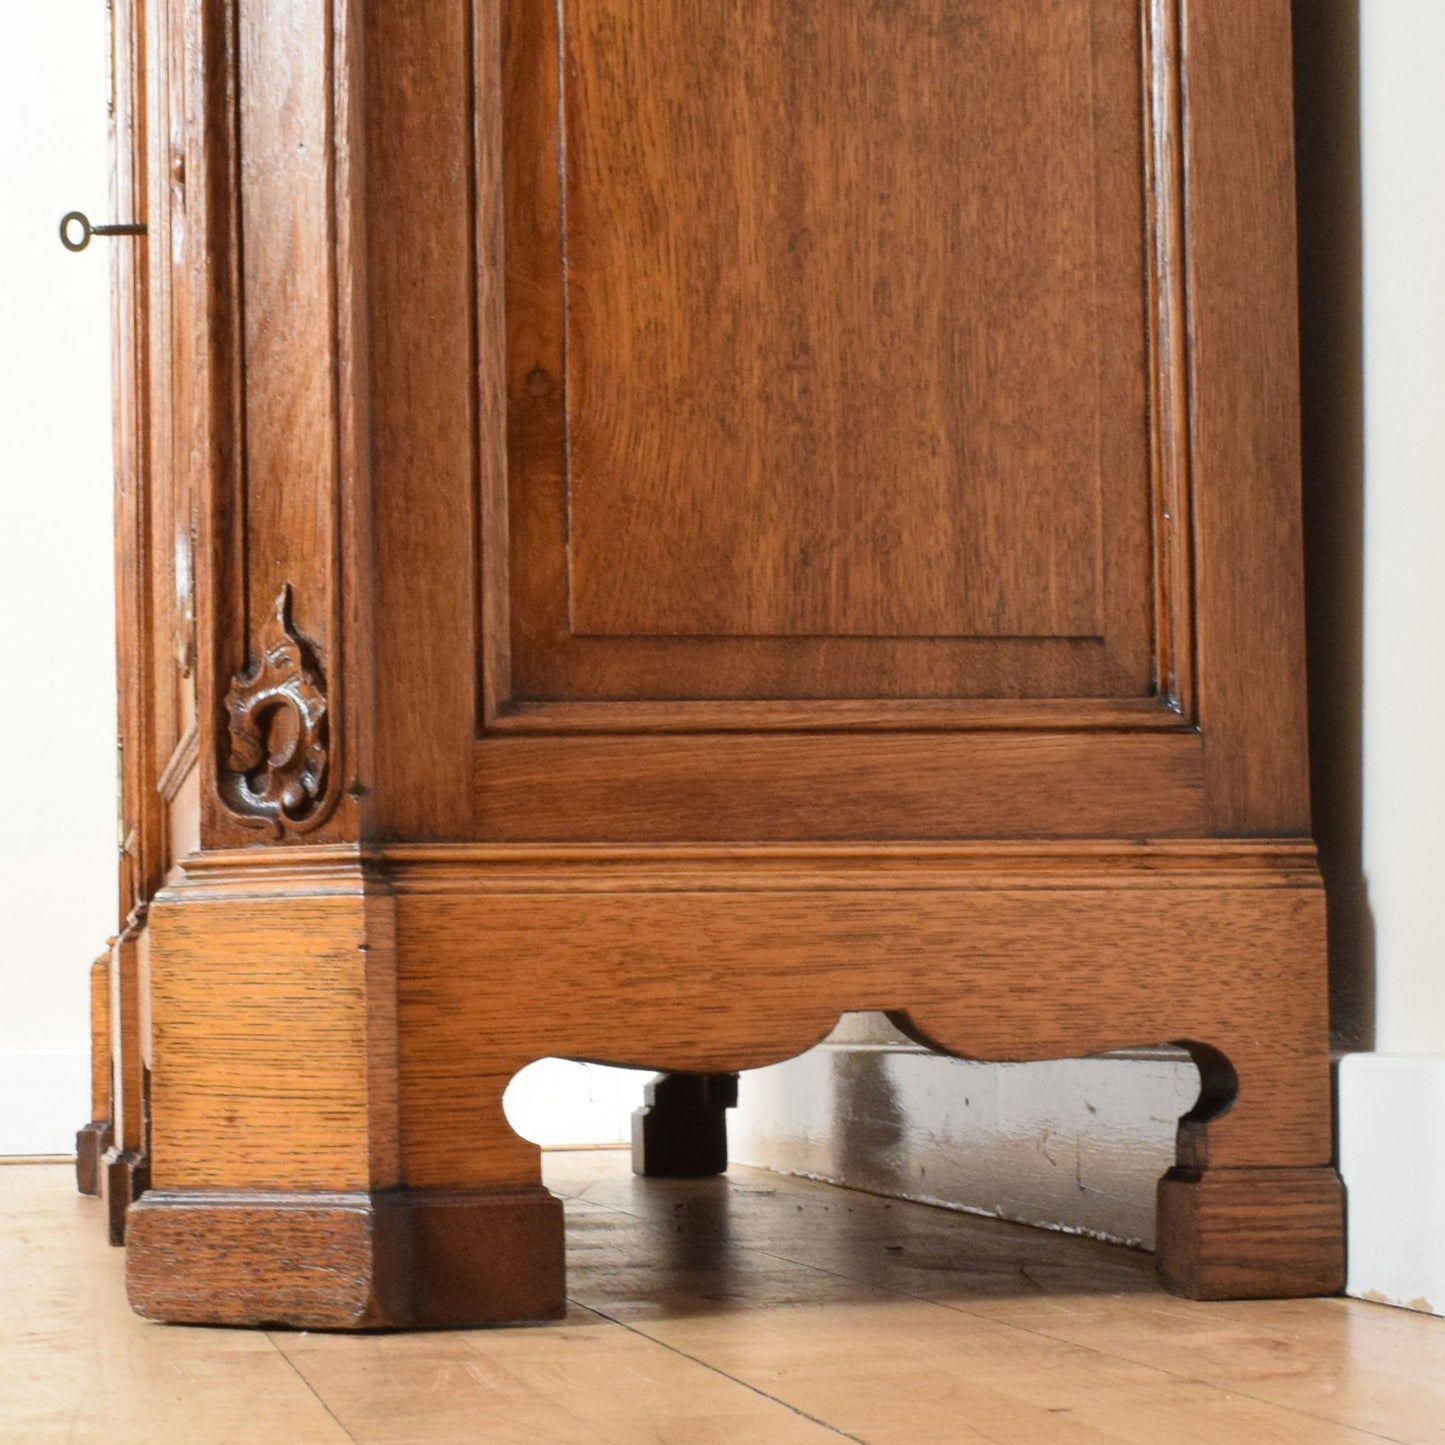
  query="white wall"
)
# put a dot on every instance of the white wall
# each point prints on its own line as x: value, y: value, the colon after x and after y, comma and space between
x: 57, y: 722
x: 1403, y: 140
x: 1392, y: 1102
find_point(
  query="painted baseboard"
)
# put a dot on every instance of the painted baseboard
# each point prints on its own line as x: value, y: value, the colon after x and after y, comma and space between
x: 1076, y: 1145
x: 44, y: 1099
x: 1392, y: 1157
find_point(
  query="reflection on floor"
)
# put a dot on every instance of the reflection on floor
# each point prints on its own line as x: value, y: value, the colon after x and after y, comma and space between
x: 755, y: 1308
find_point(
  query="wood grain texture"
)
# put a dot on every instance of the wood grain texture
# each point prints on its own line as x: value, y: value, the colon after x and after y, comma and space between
x: 275, y: 1038
x: 163, y: 378
x: 128, y: 1046
x: 718, y: 978
x: 326, y: 1020
x: 893, y: 1321
x: 492, y: 1255
x: 911, y: 714
x: 886, y: 785
x: 320, y: 1261
x: 274, y: 423
x: 95, y: 1138
x: 422, y: 378
x: 141, y: 860
x: 788, y: 378
x: 110, y: 1149
x: 346, y: 1261
x: 102, y: 1084
x: 713, y: 1312
x: 424, y: 326
x: 284, y: 89
x: 171, y: 519
x: 746, y: 488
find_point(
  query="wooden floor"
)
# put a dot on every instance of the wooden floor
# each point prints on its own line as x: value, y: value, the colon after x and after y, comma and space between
x: 755, y: 1308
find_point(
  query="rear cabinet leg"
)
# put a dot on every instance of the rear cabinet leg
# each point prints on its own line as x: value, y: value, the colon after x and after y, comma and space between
x: 92, y: 1140
x: 681, y: 1131
x: 91, y: 1143
x: 123, y: 1172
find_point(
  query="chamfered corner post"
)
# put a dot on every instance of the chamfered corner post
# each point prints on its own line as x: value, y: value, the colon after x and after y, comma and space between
x: 281, y: 1192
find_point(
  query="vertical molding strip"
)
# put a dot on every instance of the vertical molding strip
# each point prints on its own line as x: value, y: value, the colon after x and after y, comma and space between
x: 282, y: 495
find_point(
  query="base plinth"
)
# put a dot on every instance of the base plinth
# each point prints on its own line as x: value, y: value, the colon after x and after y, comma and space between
x: 1251, y: 1233
x: 347, y: 1261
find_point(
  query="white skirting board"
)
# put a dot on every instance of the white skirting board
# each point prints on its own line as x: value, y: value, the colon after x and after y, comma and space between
x: 44, y: 1099
x: 1392, y: 1157
x: 1075, y: 1145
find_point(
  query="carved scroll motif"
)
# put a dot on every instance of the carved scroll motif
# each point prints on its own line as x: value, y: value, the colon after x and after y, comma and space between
x: 277, y: 710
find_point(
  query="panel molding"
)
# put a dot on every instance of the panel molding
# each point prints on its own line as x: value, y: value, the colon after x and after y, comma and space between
x: 1106, y: 703
x: 510, y: 868
x: 1170, y: 384
x: 985, y: 714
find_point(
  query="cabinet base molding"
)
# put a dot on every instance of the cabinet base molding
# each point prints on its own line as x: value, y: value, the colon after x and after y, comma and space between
x: 409, y: 1259
x: 396, y: 994
x: 1252, y: 1233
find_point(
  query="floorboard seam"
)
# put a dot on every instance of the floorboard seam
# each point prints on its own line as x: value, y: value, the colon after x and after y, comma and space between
x: 747, y: 1385
x: 296, y: 1370
x: 1007, y: 1324
x: 1089, y: 1349
x: 1193, y: 1379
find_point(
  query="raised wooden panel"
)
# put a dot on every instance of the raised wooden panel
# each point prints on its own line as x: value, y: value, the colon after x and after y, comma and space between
x: 820, y: 360
x: 824, y: 381
x: 466, y: 476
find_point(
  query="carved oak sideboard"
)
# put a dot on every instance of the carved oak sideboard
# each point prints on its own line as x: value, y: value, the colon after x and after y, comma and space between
x: 647, y: 524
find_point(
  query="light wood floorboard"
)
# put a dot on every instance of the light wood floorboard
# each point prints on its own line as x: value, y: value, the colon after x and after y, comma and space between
x: 756, y: 1308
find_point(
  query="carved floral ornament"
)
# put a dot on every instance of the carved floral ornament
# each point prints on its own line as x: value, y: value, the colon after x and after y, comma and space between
x: 277, y: 710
